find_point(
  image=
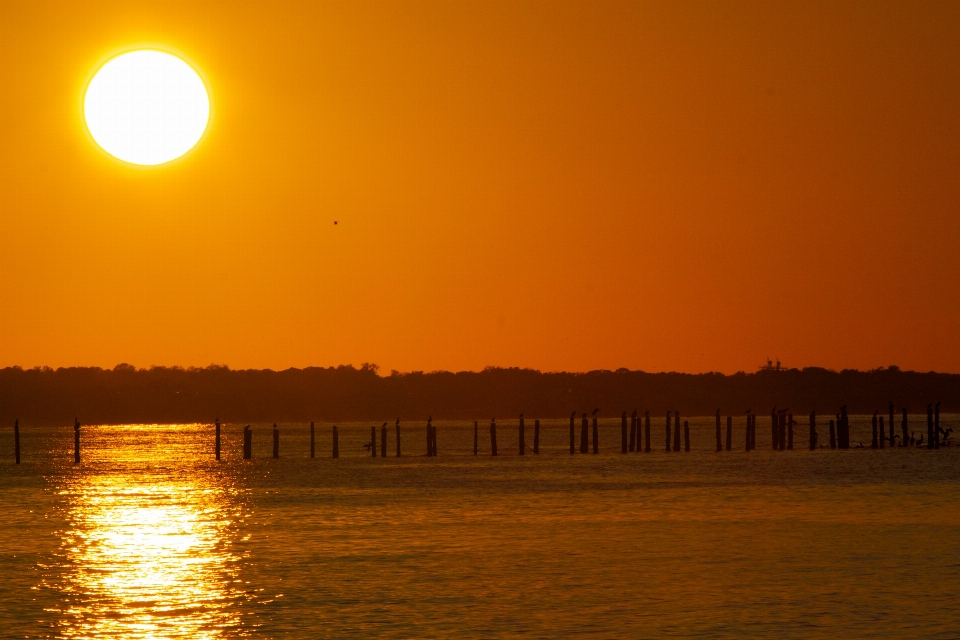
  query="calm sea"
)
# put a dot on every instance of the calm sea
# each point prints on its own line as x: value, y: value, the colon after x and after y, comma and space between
x: 150, y: 537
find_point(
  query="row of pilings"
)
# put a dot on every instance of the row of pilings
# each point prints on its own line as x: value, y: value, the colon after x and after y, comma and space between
x: 635, y: 434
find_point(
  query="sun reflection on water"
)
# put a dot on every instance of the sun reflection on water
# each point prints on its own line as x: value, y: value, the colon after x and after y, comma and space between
x: 147, y: 554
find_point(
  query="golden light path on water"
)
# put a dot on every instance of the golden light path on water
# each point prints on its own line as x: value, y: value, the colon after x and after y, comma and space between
x: 147, y: 551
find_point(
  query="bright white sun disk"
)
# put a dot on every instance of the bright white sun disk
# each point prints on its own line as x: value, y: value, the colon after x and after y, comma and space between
x: 146, y: 107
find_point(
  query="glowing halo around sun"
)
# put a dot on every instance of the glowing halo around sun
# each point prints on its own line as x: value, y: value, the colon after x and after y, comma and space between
x: 146, y: 107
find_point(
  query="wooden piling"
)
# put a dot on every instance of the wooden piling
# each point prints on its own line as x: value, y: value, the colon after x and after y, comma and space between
x: 248, y: 443
x: 729, y: 433
x: 276, y: 441
x: 16, y: 441
x: 536, y: 437
x: 719, y: 436
x: 668, y: 431
x: 313, y: 441
x: 522, y: 443
x: 833, y: 435
x: 881, y: 431
x: 584, y: 435
x: 646, y: 432
x: 76, y: 441
x: 493, y: 436
x: 596, y: 433
x: 217, y: 443
x: 936, y: 425
x: 397, y: 427
x: 686, y: 435
x: 813, y: 431
x: 429, y: 437
x: 634, y: 433
x: 676, y: 431
x: 873, y: 425
x: 383, y: 440
x: 843, y: 429
x: 476, y: 437
x: 573, y: 433
x: 790, y: 424
x: 623, y: 433
x: 336, y: 443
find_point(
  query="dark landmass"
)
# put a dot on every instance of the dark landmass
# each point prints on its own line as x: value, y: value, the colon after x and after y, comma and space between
x: 125, y: 394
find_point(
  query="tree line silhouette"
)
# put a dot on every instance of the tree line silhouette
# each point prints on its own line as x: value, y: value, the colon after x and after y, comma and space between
x: 126, y: 394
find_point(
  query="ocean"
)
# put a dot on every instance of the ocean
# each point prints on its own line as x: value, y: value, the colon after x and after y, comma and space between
x: 151, y: 537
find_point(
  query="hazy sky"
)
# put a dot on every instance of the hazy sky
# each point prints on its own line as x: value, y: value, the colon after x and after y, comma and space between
x: 665, y: 186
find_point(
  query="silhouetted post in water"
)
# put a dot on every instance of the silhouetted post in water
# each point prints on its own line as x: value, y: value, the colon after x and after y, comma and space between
x: 584, y: 436
x: 476, y: 437
x: 623, y: 433
x: 397, y: 426
x: 668, y: 432
x: 248, y: 443
x: 336, y: 443
x: 676, y: 431
x: 493, y: 436
x: 813, y: 430
x: 16, y: 440
x: 429, y: 437
x: 880, y: 432
x: 873, y: 425
x: 936, y: 425
x: 833, y: 435
x: 383, y: 440
x: 596, y: 432
x: 634, y: 434
x: 217, y: 445
x: 646, y: 432
x: 719, y: 441
x: 790, y: 424
x: 753, y: 431
x: 276, y: 441
x: 929, y: 426
x: 313, y: 442
x: 522, y: 443
x: 686, y: 436
x: 573, y: 432
x: 536, y: 437
x: 76, y: 441
x: 729, y: 433
x: 905, y: 438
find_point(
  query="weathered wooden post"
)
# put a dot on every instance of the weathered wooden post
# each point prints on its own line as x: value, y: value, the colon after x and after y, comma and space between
x: 248, y: 443
x: 873, y: 424
x: 929, y: 426
x: 276, y: 441
x: 729, y: 433
x: 493, y: 436
x: 313, y: 441
x: 397, y: 427
x: 719, y: 437
x: 905, y: 427
x: 843, y: 429
x: 476, y: 437
x: 16, y: 440
x: 429, y: 437
x: 936, y: 425
x: 634, y: 434
x: 813, y: 431
x: 646, y: 432
x: 668, y: 431
x: 596, y: 433
x: 76, y: 441
x: 686, y: 435
x: 217, y: 445
x: 676, y: 431
x: 790, y: 424
x: 584, y: 435
x: 833, y: 435
x: 383, y: 440
x: 536, y: 437
x: 522, y: 443
x: 623, y: 433
x: 573, y: 433
x: 881, y: 431
x: 336, y: 442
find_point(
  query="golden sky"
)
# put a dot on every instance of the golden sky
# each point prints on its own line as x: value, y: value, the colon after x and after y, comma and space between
x: 665, y: 186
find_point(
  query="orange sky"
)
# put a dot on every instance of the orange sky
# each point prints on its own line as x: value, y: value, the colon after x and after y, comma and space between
x: 574, y: 186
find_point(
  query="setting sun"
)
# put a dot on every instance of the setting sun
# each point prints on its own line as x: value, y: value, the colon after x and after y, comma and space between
x: 146, y: 107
